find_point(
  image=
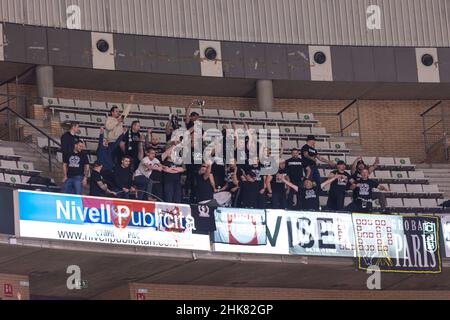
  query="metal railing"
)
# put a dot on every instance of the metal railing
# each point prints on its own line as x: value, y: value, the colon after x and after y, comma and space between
x: 340, y: 117
x: 435, y: 133
x: 13, y: 133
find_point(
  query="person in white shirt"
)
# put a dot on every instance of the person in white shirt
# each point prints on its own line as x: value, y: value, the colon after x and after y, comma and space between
x: 147, y: 177
x: 114, y: 128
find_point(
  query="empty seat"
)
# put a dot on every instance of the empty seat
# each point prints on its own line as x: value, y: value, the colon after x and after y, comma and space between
x: 383, y: 174
x: 12, y: 178
x: 2, y: 177
x: 394, y: 202
x: 27, y: 166
x: 66, y: 103
x: 411, y: 203
x: 210, y: 113
x: 7, y: 151
x: 287, y: 130
x: 82, y: 117
x: 209, y: 125
x: 66, y: 116
x: 145, y: 108
x: 414, y: 188
x: 290, y: 144
x: 318, y: 131
x: 8, y: 164
x: 85, y: 104
x: 306, y: 116
x: 240, y: 114
x: 397, y: 188
x: 256, y: 126
x: 128, y: 121
x: 179, y: 111
x: 147, y: 123
x: 402, y: 161
x: 274, y: 115
x: 337, y: 158
x: 43, y: 143
x: 416, y: 175
x: 134, y: 108
x: 161, y: 137
x: 322, y: 145
x: 400, y: 175
x: 387, y: 161
x: 303, y: 130
x: 350, y: 159
x: 93, y: 132
x: 98, y: 119
x: 430, y: 188
x: 290, y: 116
x: 91, y: 145
x: 162, y: 110
x: 24, y: 179
x: 259, y: 115
x: 82, y: 132
x: 226, y: 113
x: 101, y: 105
x: 429, y: 203
x: 323, y: 200
x: 337, y: 145
x: 369, y: 160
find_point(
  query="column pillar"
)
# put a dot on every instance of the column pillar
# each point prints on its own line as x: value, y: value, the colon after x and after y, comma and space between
x: 264, y: 94
x: 44, y: 81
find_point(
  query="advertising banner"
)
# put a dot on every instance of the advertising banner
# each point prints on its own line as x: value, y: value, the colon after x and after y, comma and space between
x: 303, y: 233
x: 106, y: 220
x: 445, y: 223
x: 240, y: 226
x: 398, y: 243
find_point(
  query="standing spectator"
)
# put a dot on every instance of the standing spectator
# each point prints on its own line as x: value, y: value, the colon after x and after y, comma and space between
x: 205, y: 183
x: 76, y: 170
x: 363, y: 193
x: 310, y: 157
x: 358, y: 166
x: 123, y: 178
x: 152, y: 141
x: 68, y: 140
x: 97, y: 184
x: 143, y: 175
x: 249, y: 190
x: 191, y: 117
x: 114, y: 128
x: 308, y: 193
x: 132, y: 143
x: 338, y: 188
x: 254, y: 171
x: 276, y: 187
x: 171, y: 177
x: 105, y: 154
x: 295, y: 167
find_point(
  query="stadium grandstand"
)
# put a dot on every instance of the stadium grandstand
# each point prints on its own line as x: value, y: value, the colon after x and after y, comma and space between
x: 327, y: 125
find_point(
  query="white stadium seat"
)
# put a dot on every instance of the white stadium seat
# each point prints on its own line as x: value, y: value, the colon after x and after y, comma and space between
x: 210, y: 113
x: 337, y: 145
x: 387, y: 161
x: 303, y: 130
x: 82, y: 117
x: 2, y: 177
x: 91, y: 145
x: 101, y: 105
x: 8, y: 164
x: 66, y: 116
x: 306, y: 116
x: 147, y: 123
x: 394, y: 203
x: 274, y: 115
x: 290, y: 116
x: 290, y: 144
x: 226, y: 113
x: 242, y: 114
x: 93, y: 132
x: 414, y: 188
x: 287, y: 130
x: 66, y: 103
x: 400, y: 175
x: 429, y: 203
x: 318, y: 131
x: 430, y: 188
x: 322, y: 145
x: 7, y: 151
x: 82, y: 132
x: 411, y: 203
x: 12, y: 178
x: 160, y: 136
x: 259, y: 115
x: 85, y: 104
x: 397, y: 188
x: 145, y: 108
x: 383, y: 174
x: 98, y: 119
x: 402, y: 161
x: 179, y: 111
x: 416, y: 175
x: 368, y: 160
x: 27, y: 166
x: 49, y: 101
x: 163, y: 110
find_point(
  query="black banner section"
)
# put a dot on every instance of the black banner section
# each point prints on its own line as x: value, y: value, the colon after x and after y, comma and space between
x: 205, y: 221
x: 6, y: 211
x: 417, y: 248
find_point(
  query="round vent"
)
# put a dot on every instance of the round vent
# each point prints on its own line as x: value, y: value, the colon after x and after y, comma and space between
x: 427, y: 60
x: 320, y: 57
x: 210, y: 53
x: 102, y: 45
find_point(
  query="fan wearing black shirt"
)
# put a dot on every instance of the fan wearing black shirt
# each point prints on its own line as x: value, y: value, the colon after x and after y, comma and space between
x: 68, y: 140
x: 276, y: 189
x: 249, y: 190
x: 132, y: 143
x: 358, y: 166
x: 310, y: 157
x: 295, y: 169
x: 97, y: 185
x: 363, y: 193
x: 254, y: 171
x: 76, y: 170
x: 338, y: 188
x: 123, y: 178
x: 205, y: 183
x: 309, y: 197
x: 152, y: 141
x: 171, y: 177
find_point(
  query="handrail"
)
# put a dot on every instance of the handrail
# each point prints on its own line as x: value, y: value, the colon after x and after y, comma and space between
x: 431, y: 108
x: 426, y: 130
x: 31, y: 124
x: 347, y: 106
x: 17, y: 76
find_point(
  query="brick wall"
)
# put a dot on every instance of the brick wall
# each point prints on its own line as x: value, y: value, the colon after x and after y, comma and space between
x: 389, y: 128
x: 174, y: 292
